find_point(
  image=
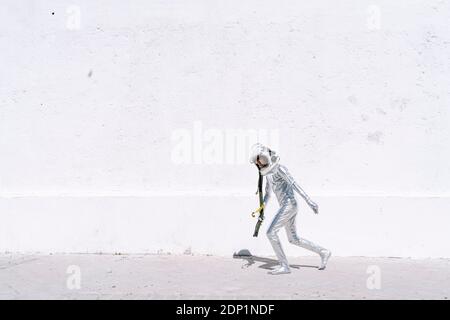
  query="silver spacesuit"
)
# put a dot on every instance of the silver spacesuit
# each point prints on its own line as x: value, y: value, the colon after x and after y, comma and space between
x: 279, y: 180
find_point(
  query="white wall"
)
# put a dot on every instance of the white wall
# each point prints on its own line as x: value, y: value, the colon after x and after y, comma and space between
x: 98, y: 99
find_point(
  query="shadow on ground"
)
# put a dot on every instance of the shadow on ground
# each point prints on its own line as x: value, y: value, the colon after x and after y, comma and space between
x: 267, y: 263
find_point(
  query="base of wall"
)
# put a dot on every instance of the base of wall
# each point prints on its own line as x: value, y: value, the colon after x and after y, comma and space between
x: 349, y: 226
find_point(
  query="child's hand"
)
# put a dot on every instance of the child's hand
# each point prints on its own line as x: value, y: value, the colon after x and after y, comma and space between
x: 314, y: 207
x: 258, y: 210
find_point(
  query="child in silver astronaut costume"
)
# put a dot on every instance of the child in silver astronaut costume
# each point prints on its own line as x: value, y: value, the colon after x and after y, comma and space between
x: 283, y: 185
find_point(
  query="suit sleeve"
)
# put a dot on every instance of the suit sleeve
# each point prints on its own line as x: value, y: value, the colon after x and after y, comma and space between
x: 268, y: 192
x: 287, y: 176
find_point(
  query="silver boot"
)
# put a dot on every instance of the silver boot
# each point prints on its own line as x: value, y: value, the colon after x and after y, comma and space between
x: 282, y: 269
x: 324, y: 256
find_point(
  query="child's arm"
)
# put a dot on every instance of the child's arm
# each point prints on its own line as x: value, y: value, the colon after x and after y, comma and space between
x: 267, y: 196
x: 267, y: 193
x: 287, y: 176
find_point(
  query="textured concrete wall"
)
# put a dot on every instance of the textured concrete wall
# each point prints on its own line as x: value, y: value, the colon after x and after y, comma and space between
x: 124, y: 126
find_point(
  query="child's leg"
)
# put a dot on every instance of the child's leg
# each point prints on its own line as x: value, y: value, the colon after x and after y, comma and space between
x: 280, y: 220
x: 293, y: 238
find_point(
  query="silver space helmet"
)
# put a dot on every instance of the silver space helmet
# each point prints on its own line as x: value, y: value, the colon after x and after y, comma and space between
x: 267, y: 157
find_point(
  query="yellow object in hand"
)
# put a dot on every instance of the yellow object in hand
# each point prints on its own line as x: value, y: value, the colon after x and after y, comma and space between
x: 258, y: 210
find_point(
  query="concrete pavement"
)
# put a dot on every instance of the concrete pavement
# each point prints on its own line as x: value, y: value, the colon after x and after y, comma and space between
x: 102, y: 276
